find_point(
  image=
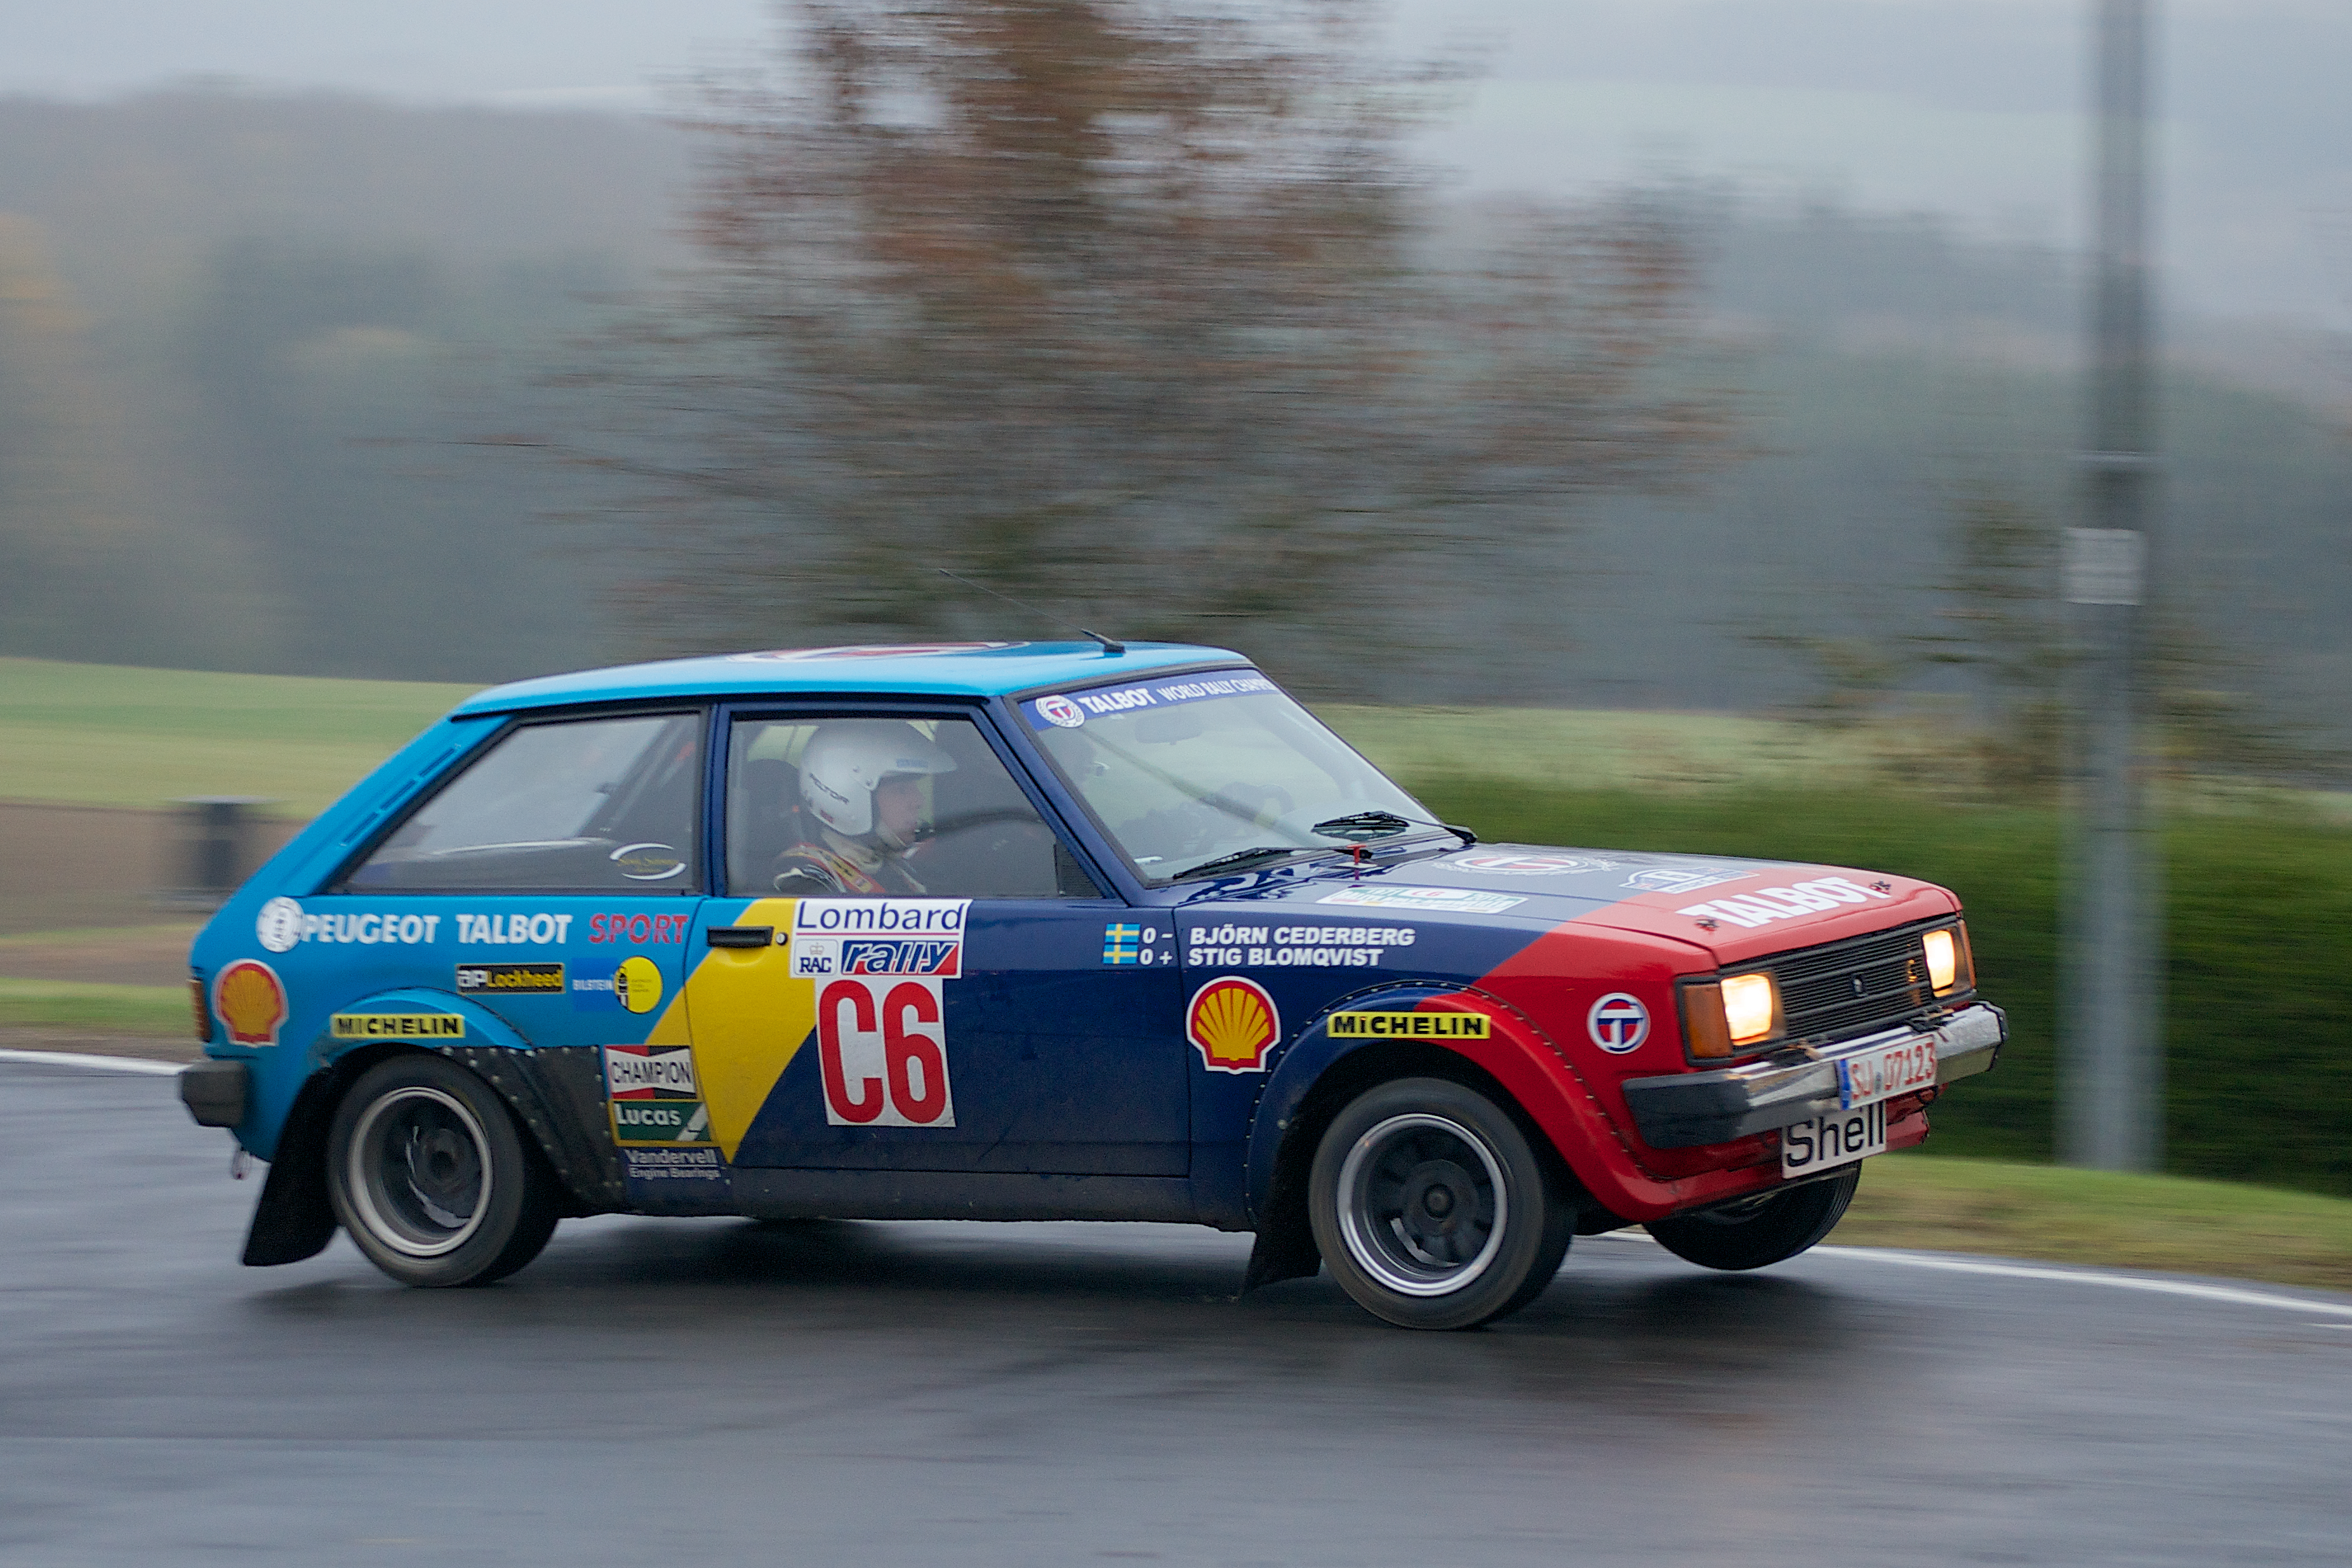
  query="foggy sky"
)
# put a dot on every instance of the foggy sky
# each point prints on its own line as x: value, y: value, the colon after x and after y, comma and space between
x: 1967, y: 107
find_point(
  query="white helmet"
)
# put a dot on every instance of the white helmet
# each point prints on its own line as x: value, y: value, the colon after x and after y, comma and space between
x: 845, y: 761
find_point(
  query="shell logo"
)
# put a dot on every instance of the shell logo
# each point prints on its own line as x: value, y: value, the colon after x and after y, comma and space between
x: 1234, y: 1023
x: 251, y: 1000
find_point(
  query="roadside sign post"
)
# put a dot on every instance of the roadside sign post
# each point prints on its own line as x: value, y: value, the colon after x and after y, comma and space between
x: 2111, y: 1076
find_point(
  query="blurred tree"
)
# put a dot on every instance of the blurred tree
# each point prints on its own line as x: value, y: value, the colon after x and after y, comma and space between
x: 1998, y: 618
x: 1130, y: 307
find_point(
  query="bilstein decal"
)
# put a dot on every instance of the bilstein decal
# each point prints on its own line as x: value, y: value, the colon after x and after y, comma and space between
x: 397, y: 1027
x: 1374, y: 1025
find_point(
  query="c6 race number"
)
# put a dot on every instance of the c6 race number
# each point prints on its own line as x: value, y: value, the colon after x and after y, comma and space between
x: 882, y: 1048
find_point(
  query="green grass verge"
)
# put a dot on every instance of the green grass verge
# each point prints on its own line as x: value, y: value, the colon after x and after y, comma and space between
x: 77, y: 1005
x: 2166, y: 1222
x: 88, y: 735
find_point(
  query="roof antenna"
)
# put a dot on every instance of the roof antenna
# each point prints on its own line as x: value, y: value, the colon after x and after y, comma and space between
x: 1109, y: 645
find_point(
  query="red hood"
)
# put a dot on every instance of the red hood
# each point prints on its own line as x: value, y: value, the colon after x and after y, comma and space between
x: 1778, y: 907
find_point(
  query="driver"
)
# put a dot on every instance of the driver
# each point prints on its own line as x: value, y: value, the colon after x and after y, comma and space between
x: 863, y: 811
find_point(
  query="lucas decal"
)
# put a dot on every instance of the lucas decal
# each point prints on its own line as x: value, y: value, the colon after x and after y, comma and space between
x: 1233, y: 1023
x: 654, y: 1098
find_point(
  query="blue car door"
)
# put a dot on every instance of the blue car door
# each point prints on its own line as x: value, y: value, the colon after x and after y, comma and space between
x: 974, y: 1004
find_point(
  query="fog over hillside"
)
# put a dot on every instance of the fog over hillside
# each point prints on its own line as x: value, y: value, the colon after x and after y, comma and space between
x: 250, y: 345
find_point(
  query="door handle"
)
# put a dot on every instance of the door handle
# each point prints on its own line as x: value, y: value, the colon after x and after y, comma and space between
x: 740, y: 936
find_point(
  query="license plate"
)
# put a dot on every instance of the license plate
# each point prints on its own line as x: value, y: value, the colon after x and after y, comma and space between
x: 1869, y: 1077
x: 1829, y: 1141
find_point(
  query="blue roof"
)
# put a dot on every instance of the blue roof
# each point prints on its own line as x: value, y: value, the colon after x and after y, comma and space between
x: 946, y: 669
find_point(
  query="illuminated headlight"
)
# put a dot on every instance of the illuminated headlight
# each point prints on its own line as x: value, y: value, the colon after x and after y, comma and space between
x: 1751, y: 1008
x: 1948, y: 965
x: 1722, y: 1018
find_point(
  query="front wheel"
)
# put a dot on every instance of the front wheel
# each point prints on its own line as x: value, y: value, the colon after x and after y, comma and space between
x: 1759, y: 1231
x: 1433, y: 1209
x: 429, y: 1175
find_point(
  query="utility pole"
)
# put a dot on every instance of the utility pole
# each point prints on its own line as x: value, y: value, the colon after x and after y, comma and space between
x: 2112, y: 1063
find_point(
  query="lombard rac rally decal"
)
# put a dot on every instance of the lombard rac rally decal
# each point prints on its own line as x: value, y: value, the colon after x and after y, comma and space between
x: 251, y: 1002
x: 654, y: 1098
x: 1457, y: 901
x: 834, y: 937
x: 1618, y: 1023
x: 1233, y: 1023
x: 1764, y: 905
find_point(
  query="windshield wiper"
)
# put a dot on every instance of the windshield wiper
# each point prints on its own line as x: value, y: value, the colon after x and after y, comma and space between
x: 1359, y: 826
x: 1241, y: 857
x: 1362, y: 824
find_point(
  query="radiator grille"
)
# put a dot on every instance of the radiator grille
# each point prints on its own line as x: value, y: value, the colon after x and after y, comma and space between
x: 1853, y: 986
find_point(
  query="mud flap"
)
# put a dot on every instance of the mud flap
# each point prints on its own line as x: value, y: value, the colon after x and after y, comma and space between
x: 294, y: 1219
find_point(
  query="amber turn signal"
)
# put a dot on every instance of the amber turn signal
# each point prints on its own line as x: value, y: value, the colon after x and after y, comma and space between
x: 1724, y: 1016
x: 203, y: 1013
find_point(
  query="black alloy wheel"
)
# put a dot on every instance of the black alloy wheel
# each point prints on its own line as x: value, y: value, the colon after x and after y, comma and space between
x: 431, y: 1177
x: 1433, y: 1208
x: 1756, y: 1232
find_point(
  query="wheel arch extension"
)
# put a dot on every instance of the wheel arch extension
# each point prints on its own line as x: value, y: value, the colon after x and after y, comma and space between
x: 542, y: 1088
x: 1318, y: 1073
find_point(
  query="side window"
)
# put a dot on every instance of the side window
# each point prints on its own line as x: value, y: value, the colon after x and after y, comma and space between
x: 587, y: 805
x: 866, y: 808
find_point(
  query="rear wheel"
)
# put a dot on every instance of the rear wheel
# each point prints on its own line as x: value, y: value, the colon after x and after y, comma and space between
x: 429, y: 1175
x: 1759, y: 1231
x: 1432, y: 1207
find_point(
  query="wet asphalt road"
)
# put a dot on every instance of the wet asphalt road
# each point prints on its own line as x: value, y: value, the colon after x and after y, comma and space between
x: 717, y: 1391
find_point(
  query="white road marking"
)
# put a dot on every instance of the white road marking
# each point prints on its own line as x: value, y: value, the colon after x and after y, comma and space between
x: 2189, y: 1288
x: 107, y: 1064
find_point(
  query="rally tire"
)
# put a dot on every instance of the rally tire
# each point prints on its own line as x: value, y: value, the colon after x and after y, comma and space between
x: 431, y: 1177
x: 1433, y: 1208
x: 1760, y: 1231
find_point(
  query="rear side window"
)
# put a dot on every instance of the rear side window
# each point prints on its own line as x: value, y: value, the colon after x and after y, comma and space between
x: 587, y: 805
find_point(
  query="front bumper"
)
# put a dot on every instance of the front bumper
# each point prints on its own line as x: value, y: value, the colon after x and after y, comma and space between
x: 214, y: 1092
x: 1684, y: 1111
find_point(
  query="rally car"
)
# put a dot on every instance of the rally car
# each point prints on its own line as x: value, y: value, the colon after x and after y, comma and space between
x: 1011, y: 931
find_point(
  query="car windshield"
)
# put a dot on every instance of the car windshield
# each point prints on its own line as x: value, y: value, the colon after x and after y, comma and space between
x: 1188, y: 771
